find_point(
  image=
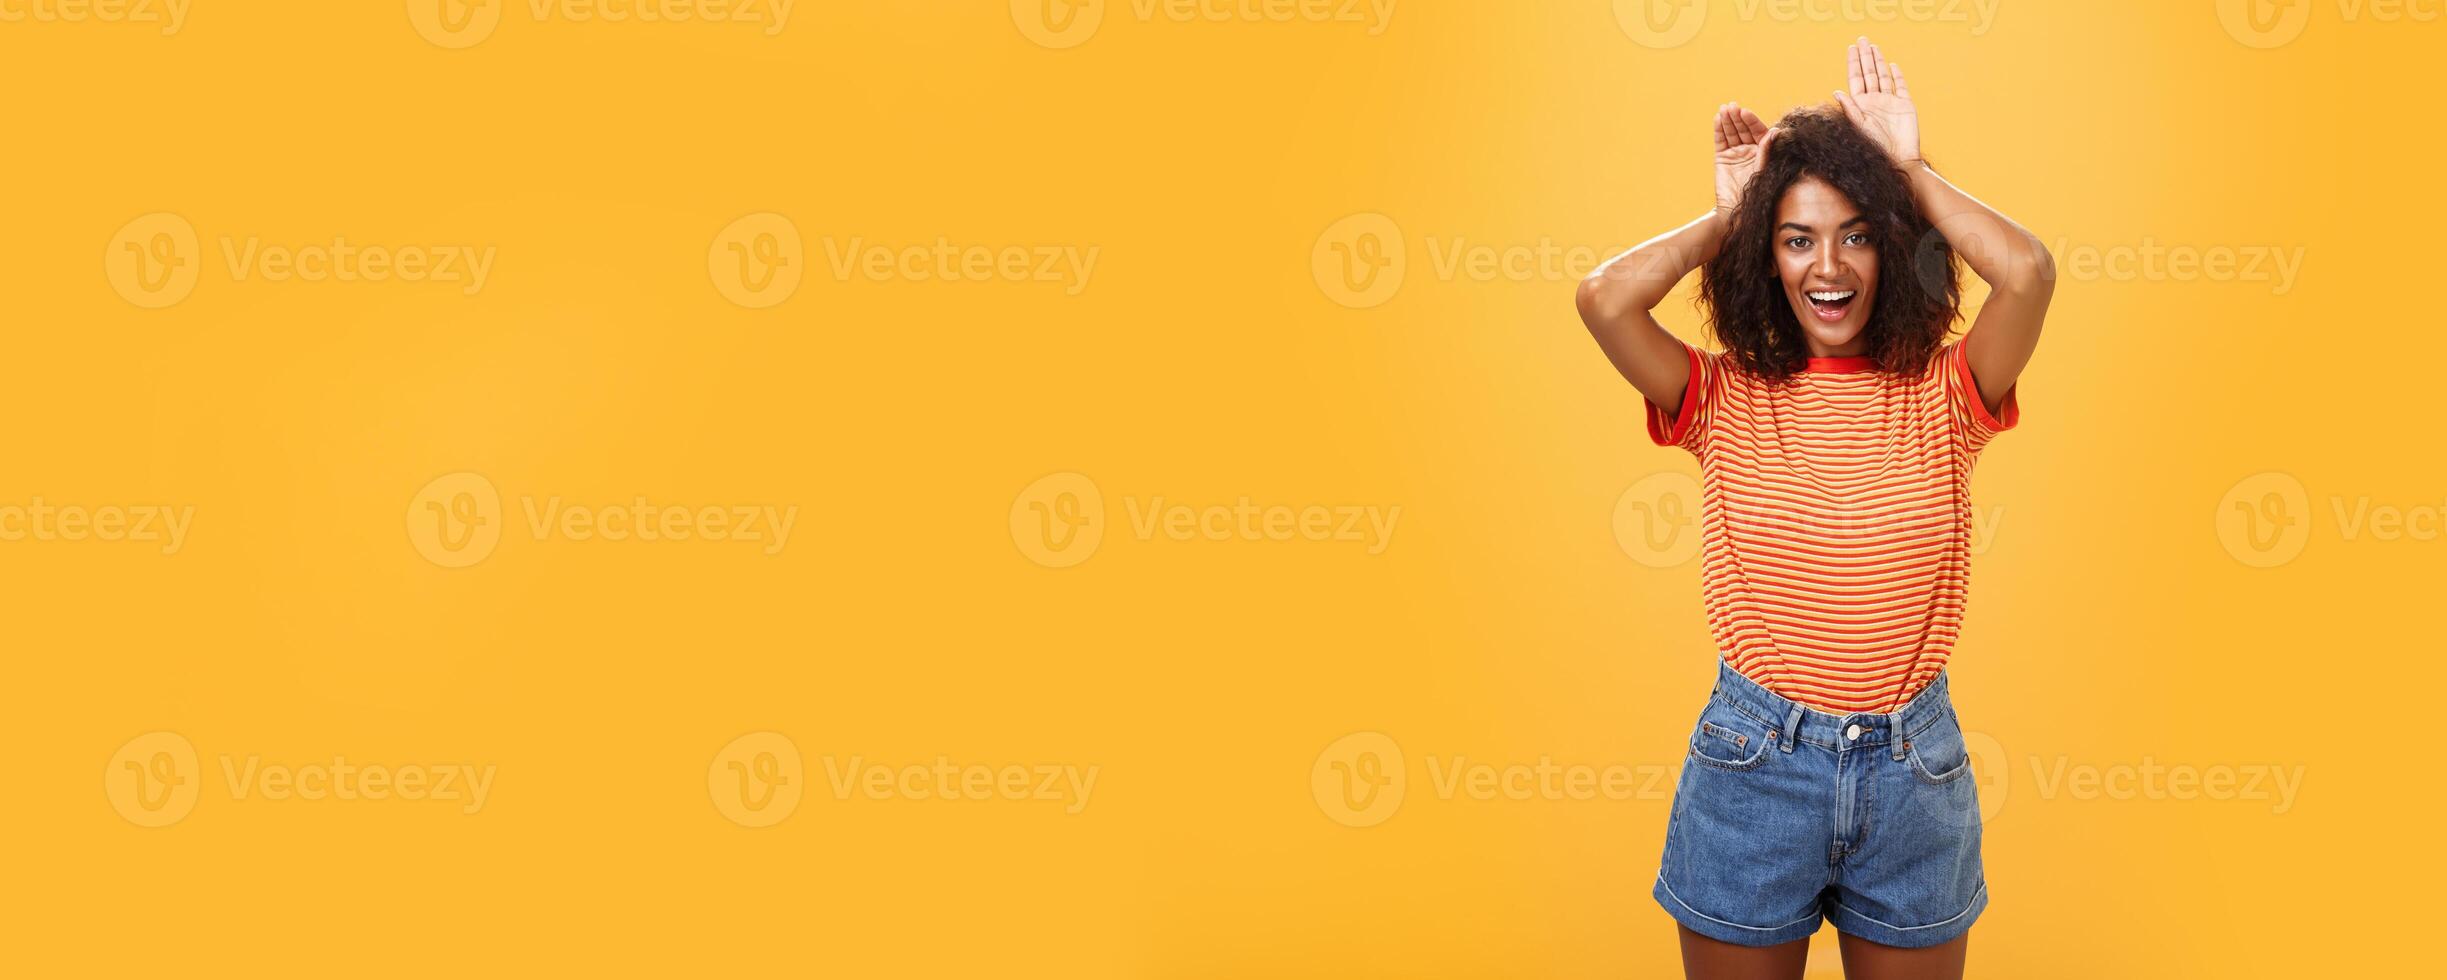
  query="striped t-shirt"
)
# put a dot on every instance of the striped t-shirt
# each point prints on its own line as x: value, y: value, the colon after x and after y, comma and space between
x: 1835, y: 520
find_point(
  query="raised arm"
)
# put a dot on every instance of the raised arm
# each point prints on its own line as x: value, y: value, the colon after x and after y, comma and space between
x: 2020, y: 273
x: 1616, y: 298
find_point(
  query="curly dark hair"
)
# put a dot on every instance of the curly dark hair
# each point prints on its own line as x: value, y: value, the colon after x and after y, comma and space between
x: 1919, y: 287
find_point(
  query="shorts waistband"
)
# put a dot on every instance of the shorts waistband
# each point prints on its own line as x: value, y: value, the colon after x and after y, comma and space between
x: 1801, y: 723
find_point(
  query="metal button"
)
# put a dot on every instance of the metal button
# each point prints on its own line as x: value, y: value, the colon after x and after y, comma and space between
x: 1852, y: 732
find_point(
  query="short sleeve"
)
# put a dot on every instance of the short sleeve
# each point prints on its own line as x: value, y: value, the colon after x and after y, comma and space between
x: 1969, y: 409
x: 1684, y: 427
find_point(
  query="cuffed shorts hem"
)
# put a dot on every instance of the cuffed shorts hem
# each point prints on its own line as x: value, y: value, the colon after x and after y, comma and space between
x: 1853, y: 923
x: 1734, y: 932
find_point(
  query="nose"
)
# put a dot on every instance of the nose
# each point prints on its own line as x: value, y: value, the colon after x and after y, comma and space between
x: 1826, y: 263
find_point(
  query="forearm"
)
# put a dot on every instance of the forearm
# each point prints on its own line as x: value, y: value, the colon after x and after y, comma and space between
x: 1616, y: 298
x: 2002, y: 253
x: 1642, y: 277
x: 2020, y: 273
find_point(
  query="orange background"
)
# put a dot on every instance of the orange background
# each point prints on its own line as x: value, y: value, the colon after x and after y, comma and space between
x: 2127, y: 613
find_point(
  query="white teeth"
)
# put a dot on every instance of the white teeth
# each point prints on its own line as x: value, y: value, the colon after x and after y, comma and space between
x: 1831, y: 297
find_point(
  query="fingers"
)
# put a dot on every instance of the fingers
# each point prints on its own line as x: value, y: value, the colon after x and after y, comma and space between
x: 1852, y: 110
x: 1852, y: 68
x: 1901, y: 87
x: 1736, y: 126
x: 1753, y: 129
x: 1873, y: 66
x: 1765, y: 140
x: 1868, y: 71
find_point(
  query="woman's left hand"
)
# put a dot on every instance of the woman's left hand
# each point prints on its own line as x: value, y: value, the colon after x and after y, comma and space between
x: 1880, y: 104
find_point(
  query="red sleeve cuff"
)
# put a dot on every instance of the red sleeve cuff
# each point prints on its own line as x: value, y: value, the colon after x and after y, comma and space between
x: 2008, y: 412
x: 1670, y: 432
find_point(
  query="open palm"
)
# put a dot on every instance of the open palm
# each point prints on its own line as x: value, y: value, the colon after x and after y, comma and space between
x: 1879, y: 103
x: 1741, y: 147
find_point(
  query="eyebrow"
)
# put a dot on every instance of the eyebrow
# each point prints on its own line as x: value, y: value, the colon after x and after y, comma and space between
x: 1856, y: 220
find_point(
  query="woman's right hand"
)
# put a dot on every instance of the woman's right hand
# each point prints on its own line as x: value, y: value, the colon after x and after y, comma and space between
x: 1741, y: 148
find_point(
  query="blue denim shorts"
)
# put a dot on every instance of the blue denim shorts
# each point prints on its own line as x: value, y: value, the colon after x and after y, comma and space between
x: 1784, y: 814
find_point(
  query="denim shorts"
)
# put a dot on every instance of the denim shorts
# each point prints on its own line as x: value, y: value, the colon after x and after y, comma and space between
x: 1784, y: 814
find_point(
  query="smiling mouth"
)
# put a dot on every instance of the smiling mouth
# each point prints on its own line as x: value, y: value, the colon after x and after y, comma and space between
x: 1831, y: 304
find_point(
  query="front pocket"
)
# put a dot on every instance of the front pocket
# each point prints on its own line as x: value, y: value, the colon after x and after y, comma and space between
x: 1937, y: 752
x: 1728, y: 739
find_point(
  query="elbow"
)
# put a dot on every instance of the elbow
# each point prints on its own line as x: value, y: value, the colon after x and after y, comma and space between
x: 1590, y: 299
x: 1600, y: 299
x: 2033, y: 273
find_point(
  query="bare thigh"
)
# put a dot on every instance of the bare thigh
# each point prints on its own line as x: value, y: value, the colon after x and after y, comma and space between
x: 1714, y: 959
x: 1865, y: 960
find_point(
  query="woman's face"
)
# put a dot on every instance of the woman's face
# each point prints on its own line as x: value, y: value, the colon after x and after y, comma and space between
x: 1829, y: 266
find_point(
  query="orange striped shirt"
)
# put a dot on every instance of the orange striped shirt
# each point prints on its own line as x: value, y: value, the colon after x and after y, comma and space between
x: 1835, y: 520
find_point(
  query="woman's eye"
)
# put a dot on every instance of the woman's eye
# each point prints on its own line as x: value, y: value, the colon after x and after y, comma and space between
x: 1857, y: 239
x: 1796, y: 243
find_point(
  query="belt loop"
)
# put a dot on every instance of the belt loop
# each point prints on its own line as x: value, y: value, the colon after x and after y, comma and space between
x: 1894, y: 734
x: 1792, y: 728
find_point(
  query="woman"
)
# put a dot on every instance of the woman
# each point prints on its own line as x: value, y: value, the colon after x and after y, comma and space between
x: 1836, y: 433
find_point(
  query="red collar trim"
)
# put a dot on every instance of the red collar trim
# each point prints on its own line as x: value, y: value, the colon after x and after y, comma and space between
x: 1841, y: 365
